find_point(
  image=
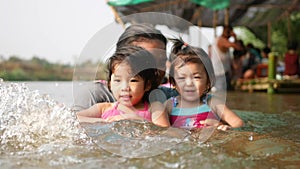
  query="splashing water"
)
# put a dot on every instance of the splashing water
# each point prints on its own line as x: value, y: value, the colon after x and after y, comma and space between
x: 135, y: 139
x: 39, y: 132
x: 30, y: 120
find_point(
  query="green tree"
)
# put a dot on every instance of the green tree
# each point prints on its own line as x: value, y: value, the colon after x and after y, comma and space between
x: 16, y: 69
x: 279, y: 34
x: 249, y: 37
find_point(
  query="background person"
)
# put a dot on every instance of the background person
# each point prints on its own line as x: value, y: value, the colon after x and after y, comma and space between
x: 221, y: 50
x: 265, y: 54
x: 237, y: 62
x: 250, y: 62
x: 291, y: 61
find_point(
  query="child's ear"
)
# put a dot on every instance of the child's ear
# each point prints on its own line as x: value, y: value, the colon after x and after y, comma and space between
x: 207, y: 84
x: 148, y: 86
x: 109, y: 85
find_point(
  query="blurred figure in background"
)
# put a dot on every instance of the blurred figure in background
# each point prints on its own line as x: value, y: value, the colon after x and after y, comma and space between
x: 237, y: 62
x: 262, y: 67
x: 209, y: 50
x: 250, y: 62
x: 265, y: 52
x: 291, y: 61
x: 221, y: 50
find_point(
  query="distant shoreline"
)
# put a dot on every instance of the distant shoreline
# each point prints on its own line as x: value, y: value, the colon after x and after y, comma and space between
x: 36, y: 69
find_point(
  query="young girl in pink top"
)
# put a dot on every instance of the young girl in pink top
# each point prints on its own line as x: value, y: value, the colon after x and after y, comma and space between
x: 131, y: 77
x: 193, y: 76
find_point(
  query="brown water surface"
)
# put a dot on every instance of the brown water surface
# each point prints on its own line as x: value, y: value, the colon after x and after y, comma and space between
x: 38, y: 132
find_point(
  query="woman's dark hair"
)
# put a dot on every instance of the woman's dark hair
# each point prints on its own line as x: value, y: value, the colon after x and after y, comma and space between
x: 292, y: 45
x: 140, y: 33
x: 137, y: 33
x: 142, y: 64
x: 266, y: 50
x: 183, y: 53
x: 239, y: 53
x: 227, y: 29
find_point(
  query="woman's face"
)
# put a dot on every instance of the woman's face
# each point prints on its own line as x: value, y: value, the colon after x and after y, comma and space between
x: 158, y: 50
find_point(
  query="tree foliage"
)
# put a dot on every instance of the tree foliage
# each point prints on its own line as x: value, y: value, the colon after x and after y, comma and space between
x: 17, y: 69
x: 279, y: 34
x: 249, y: 37
x: 37, y: 69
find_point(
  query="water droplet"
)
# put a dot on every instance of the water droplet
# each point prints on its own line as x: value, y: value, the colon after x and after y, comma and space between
x: 250, y: 138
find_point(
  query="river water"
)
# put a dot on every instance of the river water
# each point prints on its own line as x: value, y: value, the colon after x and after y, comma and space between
x: 39, y: 130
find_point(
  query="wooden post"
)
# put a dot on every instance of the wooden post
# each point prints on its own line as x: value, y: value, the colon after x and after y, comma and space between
x: 226, y: 19
x: 269, y: 34
x: 199, y: 21
x: 289, y: 26
x: 199, y: 24
x: 117, y: 17
x: 215, y: 20
x: 271, y: 72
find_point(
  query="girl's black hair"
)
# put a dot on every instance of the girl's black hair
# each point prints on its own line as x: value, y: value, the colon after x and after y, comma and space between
x: 142, y: 64
x: 183, y: 53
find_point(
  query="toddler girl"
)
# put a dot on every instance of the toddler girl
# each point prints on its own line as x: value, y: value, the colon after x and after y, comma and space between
x: 131, y: 77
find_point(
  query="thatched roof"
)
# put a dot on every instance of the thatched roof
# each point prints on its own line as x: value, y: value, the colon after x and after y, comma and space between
x: 248, y: 13
x: 253, y: 14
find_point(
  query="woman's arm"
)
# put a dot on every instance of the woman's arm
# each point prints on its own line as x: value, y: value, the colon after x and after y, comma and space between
x: 224, y: 44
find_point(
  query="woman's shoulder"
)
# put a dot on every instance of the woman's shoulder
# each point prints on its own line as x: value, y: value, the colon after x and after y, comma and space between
x: 168, y: 91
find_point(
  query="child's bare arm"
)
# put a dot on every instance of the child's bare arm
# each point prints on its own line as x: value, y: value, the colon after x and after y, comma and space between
x: 228, y: 116
x: 93, y: 111
x: 83, y: 119
x: 92, y: 114
x: 157, y: 109
x: 159, y: 114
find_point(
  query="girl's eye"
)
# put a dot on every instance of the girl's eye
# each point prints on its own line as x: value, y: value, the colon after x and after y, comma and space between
x: 197, y: 77
x: 133, y: 80
x: 180, y: 78
x: 117, y: 80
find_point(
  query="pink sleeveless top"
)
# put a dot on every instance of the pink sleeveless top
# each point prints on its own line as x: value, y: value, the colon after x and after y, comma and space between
x: 114, y: 112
